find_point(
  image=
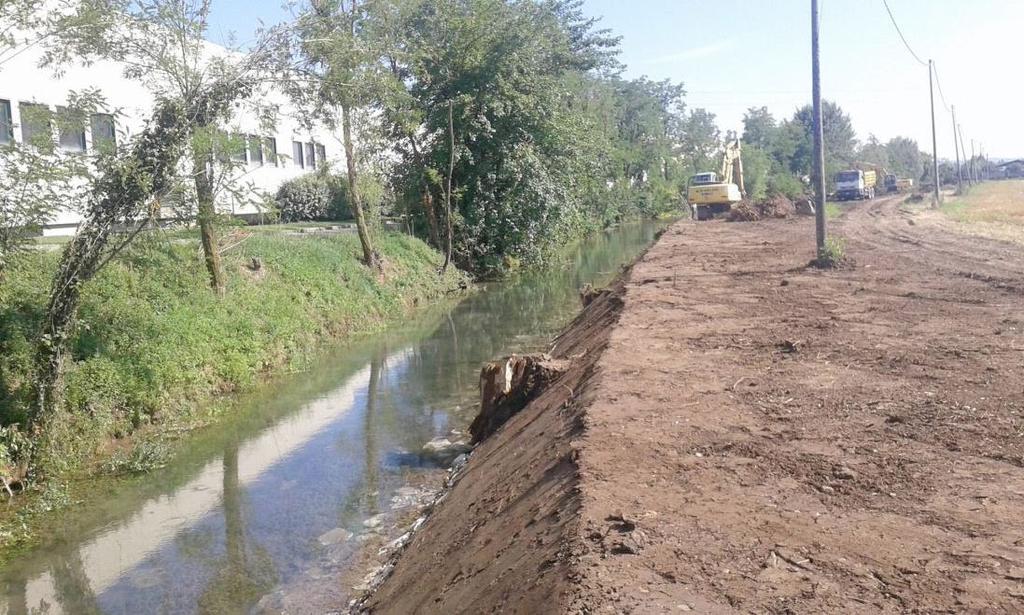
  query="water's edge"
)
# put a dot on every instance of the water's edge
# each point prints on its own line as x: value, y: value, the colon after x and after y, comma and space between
x: 277, y: 509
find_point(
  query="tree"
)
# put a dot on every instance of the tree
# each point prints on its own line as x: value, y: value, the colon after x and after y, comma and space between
x: 506, y: 68
x: 344, y: 63
x: 759, y: 128
x: 874, y: 152
x: 905, y: 157
x: 160, y: 43
x: 840, y: 139
x: 700, y: 140
x: 122, y: 193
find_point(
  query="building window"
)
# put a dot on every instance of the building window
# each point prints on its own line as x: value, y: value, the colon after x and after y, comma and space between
x: 70, y: 130
x: 270, y: 149
x: 104, y: 133
x: 6, y: 123
x: 36, y: 128
x: 321, y: 154
x: 236, y: 148
x: 310, y: 156
x: 297, y: 154
x: 255, y: 150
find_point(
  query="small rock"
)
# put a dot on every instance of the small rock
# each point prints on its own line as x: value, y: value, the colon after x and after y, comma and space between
x: 460, y: 461
x: 336, y: 536
x: 844, y: 473
x: 374, y: 522
x: 826, y: 489
x: 443, y: 450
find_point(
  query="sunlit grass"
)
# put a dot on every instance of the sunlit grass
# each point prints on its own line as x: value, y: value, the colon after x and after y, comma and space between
x: 997, y: 202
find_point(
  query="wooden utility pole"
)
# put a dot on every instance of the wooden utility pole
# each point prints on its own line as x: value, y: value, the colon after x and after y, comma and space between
x: 956, y: 146
x: 935, y: 143
x: 964, y: 148
x: 971, y: 169
x: 819, y: 137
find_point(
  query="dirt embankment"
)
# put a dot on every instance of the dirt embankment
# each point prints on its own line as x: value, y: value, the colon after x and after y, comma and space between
x: 737, y: 432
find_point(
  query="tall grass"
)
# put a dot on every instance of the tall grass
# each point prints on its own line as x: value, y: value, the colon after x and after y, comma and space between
x: 153, y: 342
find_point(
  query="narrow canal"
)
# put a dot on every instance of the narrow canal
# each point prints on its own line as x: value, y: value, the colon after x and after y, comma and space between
x: 268, y: 511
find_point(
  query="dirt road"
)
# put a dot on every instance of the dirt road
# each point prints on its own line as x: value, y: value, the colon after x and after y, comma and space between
x: 756, y: 436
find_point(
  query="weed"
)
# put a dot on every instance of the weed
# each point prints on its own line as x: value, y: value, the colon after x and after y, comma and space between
x: 144, y: 457
x: 833, y: 255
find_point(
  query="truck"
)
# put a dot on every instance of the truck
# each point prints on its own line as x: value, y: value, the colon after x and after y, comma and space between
x: 894, y: 183
x: 855, y: 184
x: 709, y: 193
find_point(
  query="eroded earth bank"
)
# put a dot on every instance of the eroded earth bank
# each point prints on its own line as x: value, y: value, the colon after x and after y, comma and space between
x: 737, y: 432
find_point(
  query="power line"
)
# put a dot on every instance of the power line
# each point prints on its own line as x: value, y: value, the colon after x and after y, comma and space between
x: 900, y: 32
x: 939, y: 84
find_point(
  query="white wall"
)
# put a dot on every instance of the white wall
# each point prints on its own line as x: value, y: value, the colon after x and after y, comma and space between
x: 23, y: 81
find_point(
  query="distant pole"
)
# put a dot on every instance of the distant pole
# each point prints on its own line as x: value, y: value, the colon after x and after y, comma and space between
x: 819, y: 136
x: 974, y: 172
x: 956, y: 146
x: 935, y: 143
x: 960, y: 130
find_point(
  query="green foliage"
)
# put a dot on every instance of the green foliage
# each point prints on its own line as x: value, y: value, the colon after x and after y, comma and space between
x: 833, y: 255
x: 151, y: 342
x: 144, y: 457
x: 314, y: 196
x: 756, y: 172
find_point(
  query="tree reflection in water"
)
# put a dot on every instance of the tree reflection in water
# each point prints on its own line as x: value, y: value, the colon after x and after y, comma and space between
x: 247, y: 571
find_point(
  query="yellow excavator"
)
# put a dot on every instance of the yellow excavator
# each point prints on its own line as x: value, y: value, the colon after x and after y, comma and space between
x: 710, y: 194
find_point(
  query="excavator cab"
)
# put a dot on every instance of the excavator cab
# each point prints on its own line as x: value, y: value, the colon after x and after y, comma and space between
x: 708, y: 195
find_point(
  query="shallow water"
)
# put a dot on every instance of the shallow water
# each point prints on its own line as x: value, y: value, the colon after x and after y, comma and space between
x: 247, y: 517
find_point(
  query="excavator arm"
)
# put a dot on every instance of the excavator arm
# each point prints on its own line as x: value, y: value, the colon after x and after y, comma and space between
x: 732, y: 165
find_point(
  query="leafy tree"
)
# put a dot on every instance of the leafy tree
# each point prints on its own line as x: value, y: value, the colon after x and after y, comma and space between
x: 759, y: 128
x: 875, y: 152
x: 757, y: 172
x: 700, y: 140
x: 338, y: 51
x: 160, y: 43
x: 840, y: 139
x: 504, y: 67
x: 905, y: 157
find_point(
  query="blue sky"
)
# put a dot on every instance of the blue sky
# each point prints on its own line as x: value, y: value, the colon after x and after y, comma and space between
x: 735, y: 54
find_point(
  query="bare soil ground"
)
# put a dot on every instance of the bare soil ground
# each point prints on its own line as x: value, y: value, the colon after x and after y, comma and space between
x: 742, y: 433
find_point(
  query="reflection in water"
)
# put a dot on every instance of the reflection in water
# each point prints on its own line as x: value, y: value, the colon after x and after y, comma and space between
x: 238, y: 516
x: 247, y: 571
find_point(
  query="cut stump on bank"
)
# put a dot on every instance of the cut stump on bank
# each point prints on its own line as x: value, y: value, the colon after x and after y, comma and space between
x: 507, y: 385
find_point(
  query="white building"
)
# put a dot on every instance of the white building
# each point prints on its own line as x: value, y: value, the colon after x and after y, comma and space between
x: 268, y: 160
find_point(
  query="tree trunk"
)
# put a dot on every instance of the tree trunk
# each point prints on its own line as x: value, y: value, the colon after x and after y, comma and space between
x: 370, y: 258
x: 448, y: 190
x: 120, y: 193
x: 206, y: 216
x: 428, y: 196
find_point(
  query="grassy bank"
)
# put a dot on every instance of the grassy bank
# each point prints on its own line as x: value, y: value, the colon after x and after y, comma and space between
x: 154, y: 345
x: 993, y: 209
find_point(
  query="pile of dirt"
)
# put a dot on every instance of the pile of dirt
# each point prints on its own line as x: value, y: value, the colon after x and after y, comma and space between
x: 774, y: 207
x: 744, y: 211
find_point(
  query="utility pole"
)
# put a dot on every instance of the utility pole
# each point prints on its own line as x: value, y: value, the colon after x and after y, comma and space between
x: 819, y: 136
x: 956, y: 146
x: 960, y: 130
x: 935, y: 145
x: 974, y: 172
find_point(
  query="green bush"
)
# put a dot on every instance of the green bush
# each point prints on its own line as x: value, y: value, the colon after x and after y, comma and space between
x: 304, y: 198
x: 316, y: 196
x: 786, y: 184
